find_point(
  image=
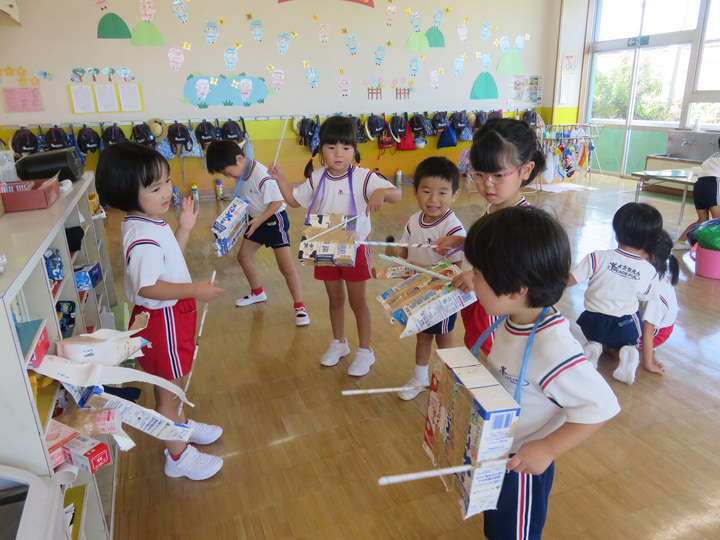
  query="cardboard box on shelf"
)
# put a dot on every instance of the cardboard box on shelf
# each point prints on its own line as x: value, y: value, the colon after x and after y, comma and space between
x: 87, y: 276
x: 30, y: 194
x: 87, y: 453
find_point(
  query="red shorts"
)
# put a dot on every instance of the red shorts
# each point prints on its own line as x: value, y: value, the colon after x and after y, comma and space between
x: 476, y: 321
x: 362, y: 271
x: 661, y: 337
x: 172, y: 334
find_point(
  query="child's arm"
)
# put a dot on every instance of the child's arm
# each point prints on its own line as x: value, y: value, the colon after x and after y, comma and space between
x: 188, y: 216
x: 402, y: 252
x: 286, y: 188
x: 648, y: 352
x: 165, y: 290
x: 451, y: 242
x: 572, y: 281
x: 535, y: 457
x: 254, y: 223
x: 464, y: 282
x: 381, y: 196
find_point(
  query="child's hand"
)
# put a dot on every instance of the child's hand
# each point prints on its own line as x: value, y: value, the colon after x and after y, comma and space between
x: 206, y: 291
x: 377, y: 199
x: 445, y: 245
x: 253, y: 224
x: 276, y: 172
x: 533, y: 457
x: 464, y: 282
x: 188, y: 213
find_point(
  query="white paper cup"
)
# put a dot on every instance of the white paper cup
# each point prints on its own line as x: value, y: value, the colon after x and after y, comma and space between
x: 65, y: 473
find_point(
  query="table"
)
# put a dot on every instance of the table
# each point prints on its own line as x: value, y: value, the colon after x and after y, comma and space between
x: 683, y: 177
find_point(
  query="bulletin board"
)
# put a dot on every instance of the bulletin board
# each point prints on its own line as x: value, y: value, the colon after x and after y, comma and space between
x: 181, y: 59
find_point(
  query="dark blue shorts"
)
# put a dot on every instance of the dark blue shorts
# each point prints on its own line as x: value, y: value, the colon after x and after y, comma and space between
x: 522, y: 507
x: 274, y: 232
x: 706, y: 192
x: 443, y: 327
x: 613, y: 332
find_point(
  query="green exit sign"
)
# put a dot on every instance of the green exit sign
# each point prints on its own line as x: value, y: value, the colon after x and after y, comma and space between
x: 638, y: 41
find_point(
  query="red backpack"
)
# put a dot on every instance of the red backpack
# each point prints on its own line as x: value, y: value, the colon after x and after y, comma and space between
x: 407, y: 140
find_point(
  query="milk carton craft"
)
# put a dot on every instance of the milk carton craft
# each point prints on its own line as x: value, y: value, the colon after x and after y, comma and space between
x: 468, y: 429
x: 425, y: 299
x: 230, y: 225
x: 328, y: 240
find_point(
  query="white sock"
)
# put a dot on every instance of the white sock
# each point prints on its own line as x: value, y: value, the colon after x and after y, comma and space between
x: 361, y: 349
x: 421, y: 373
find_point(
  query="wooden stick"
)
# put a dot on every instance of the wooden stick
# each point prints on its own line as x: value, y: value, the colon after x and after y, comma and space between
x: 393, y: 244
x: 398, y: 478
x: 282, y: 136
x: 344, y: 222
x: 364, y: 391
x: 403, y: 262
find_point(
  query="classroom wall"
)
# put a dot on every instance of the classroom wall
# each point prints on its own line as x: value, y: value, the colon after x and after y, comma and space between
x: 79, y: 78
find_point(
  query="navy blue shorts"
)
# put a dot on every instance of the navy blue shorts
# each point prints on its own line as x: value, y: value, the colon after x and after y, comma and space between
x: 613, y: 332
x: 706, y: 192
x: 274, y: 232
x: 443, y: 327
x: 522, y: 506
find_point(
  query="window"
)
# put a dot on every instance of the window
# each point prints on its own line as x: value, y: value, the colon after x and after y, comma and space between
x: 662, y: 74
x: 709, y: 71
x: 611, y: 86
x: 611, y: 12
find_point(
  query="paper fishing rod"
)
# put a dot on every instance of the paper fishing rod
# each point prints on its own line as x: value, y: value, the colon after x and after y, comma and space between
x: 282, y: 135
x: 364, y: 391
x: 403, y: 262
x: 394, y: 244
x: 344, y: 222
x: 432, y: 473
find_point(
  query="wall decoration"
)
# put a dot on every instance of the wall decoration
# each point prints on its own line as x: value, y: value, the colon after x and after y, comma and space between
x: 176, y: 57
x: 344, y: 85
x: 42, y: 75
x: 485, y: 30
x: 112, y: 26
x: 231, y: 57
x: 390, y: 12
x: 180, y: 10
x: 283, y: 42
x: 211, y: 32
x: 417, y: 40
x: 77, y: 75
x: 82, y: 99
x: 484, y: 87
x: 434, y: 77
x: 187, y: 45
x: 102, y: 4
x: 108, y: 72
x: 510, y: 61
x: 525, y: 91
x: 380, y: 55
x: 278, y: 78
x: 402, y: 88
x: 323, y: 32
x: 147, y: 10
x: 312, y: 77
x: 146, y: 34
x: 352, y: 43
x: 242, y: 89
x: 375, y: 87
x: 414, y: 65
x: 126, y: 74
x: 22, y: 100
x: 93, y: 72
x: 462, y: 32
x: 434, y: 35
x: 257, y: 30
x: 458, y: 65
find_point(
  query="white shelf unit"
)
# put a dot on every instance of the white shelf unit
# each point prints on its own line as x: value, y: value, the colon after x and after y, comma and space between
x: 26, y: 294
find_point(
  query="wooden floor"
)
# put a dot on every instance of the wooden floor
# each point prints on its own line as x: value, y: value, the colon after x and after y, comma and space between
x: 302, y: 461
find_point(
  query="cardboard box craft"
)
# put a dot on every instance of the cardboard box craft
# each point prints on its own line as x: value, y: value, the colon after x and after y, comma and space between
x: 30, y: 194
x: 87, y: 276
x: 332, y: 248
x: 87, y: 453
x: 470, y: 420
x: 422, y: 300
x: 230, y: 225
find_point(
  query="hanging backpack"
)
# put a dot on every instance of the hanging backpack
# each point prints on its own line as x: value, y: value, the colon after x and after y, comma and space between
x: 385, y: 141
x: 141, y: 134
x: 195, y: 150
x: 88, y: 140
x: 179, y: 137
x: 55, y: 138
x: 361, y: 135
x: 72, y: 143
x: 40, y: 140
x: 495, y: 114
x: 231, y: 131
x: 480, y: 119
x: 407, y: 141
x: 307, y: 130
x: 530, y: 116
x: 440, y: 120
x: 465, y: 134
x: 447, y: 138
x: 374, y: 126
x: 113, y: 135
x: 398, y: 126
x: 24, y: 141
x: 205, y: 134
x: 459, y: 121
x: 315, y: 138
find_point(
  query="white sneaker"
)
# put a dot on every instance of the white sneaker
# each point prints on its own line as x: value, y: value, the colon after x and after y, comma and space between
x: 362, y: 362
x: 593, y: 350
x: 203, y: 433
x: 629, y: 362
x: 251, y: 299
x: 409, y: 393
x: 193, y: 464
x: 301, y: 317
x: 335, y: 351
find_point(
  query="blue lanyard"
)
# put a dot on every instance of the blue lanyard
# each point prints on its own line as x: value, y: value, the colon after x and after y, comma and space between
x: 321, y: 186
x: 526, y: 355
x: 243, y: 178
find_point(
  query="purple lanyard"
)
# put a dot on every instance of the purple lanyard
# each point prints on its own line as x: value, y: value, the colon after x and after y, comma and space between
x: 321, y: 186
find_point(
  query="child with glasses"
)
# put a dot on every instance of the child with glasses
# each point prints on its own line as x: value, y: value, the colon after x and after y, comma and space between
x: 505, y: 156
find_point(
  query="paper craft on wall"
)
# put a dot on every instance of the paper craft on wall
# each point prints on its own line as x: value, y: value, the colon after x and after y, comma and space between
x: 525, y: 91
x: 180, y: 10
x: 510, y: 61
x: 380, y: 55
x: 375, y: 88
x: 231, y: 57
x: 462, y: 32
x: 257, y: 30
x: 102, y: 4
x: 312, y: 77
x: 323, y: 32
x: 278, y: 78
x: 344, y: 86
x: 41, y: 74
x: 242, y: 89
x: 108, y: 72
x: 283, y: 42
x: 211, y: 32
x: 147, y: 10
x: 458, y: 65
x: 434, y: 77
x: 146, y: 34
x: 176, y: 57
x: 77, y: 75
x: 126, y: 74
x: 417, y: 40
x: 22, y: 100
x: 484, y: 87
x: 434, y: 35
x: 112, y: 26
x: 390, y: 12
x: 402, y: 88
x: 93, y: 72
x: 414, y: 65
x: 352, y: 43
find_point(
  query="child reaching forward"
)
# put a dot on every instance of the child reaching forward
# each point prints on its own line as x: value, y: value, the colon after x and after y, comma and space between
x: 658, y: 315
x: 436, y: 185
x: 268, y: 223
x: 563, y: 399
x: 505, y: 156
x: 618, y: 280
x: 343, y: 188
x: 136, y: 179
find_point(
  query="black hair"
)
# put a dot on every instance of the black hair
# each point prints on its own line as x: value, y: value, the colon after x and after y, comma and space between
x: 663, y: 260
x: 506, y: 142
x: 440, y: 167
x: 335, y: 130
x: 638, y: 225
x: 221, y: 155
x: 521, y: 246
x: 122, y: 169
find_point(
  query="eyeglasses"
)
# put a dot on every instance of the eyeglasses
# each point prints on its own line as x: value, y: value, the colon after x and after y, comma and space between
x: 494, y: 178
